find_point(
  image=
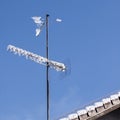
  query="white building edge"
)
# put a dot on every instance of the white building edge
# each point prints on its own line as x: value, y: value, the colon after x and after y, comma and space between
x: 96, y: 110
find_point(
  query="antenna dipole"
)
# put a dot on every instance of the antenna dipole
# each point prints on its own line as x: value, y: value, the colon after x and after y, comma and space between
x: 37, y: 58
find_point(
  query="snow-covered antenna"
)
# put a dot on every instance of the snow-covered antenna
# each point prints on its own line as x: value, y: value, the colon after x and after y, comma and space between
x: 37, y: 58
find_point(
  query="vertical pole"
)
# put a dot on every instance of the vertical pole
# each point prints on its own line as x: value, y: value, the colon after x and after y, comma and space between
x: 47, y: 67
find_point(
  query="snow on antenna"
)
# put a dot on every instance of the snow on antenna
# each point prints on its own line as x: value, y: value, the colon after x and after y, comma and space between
x: 37, y: 58
x: 58, y: 20
x: 39, y: 22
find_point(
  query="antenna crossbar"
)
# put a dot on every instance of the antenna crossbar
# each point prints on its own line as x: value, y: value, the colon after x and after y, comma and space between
x: 37, y: 58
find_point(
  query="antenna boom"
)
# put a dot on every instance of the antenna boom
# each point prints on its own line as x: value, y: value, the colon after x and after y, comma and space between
x: 37, y: 58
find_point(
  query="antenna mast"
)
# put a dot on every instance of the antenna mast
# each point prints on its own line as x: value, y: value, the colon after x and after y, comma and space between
x: 47, y: 69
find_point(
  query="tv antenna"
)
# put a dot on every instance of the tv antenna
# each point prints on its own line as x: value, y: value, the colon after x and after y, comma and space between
x: 39, y: 59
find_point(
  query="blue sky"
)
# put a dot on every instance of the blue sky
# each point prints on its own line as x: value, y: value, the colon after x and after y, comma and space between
x: 88, y: 37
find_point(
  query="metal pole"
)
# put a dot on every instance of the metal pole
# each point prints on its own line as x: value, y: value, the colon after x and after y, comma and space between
x: 47, y: 67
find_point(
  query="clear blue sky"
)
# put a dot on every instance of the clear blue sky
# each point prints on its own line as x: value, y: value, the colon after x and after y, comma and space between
x: 89, y: 37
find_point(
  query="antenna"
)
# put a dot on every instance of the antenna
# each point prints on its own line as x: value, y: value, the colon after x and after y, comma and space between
x: 39, y: 59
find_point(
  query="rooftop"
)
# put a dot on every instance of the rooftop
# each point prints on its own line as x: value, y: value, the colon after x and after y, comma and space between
x: 97, y: 110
